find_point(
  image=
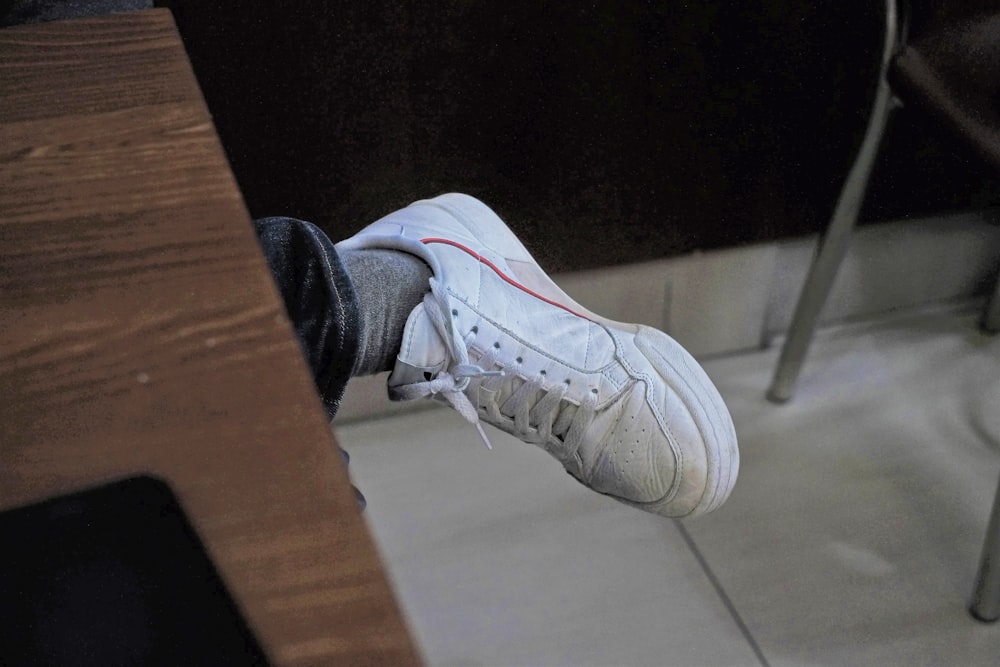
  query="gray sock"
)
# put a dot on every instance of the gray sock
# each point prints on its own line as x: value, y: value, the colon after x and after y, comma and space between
x: 389, y: 285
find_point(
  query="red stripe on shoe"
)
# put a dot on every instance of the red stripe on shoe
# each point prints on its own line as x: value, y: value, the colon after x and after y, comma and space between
x: 503, y: 276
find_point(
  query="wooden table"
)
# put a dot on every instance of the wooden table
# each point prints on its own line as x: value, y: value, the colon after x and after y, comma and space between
x: 140, y: 332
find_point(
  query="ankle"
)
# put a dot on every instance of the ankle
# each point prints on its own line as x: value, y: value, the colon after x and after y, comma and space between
x: 389, y: 284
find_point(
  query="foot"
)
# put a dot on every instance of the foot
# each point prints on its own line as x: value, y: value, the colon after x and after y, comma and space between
x: 627, y: 410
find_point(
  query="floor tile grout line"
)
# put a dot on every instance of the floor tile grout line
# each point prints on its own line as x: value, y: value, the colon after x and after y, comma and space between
x: 723, y: 596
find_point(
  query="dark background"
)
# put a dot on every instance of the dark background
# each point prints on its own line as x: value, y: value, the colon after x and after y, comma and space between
x: 604, y: 132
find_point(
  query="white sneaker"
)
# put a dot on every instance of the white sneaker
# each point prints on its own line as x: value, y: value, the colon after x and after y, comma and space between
x: 626, y: 409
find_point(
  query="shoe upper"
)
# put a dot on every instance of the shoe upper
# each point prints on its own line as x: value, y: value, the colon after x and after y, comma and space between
x: 623, y: 407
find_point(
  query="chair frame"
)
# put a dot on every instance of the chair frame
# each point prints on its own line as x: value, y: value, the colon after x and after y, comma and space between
x: 985, y: 602
x: 836, y: 240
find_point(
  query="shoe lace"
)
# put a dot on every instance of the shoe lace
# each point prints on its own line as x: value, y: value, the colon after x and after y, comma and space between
x: 538, y: 408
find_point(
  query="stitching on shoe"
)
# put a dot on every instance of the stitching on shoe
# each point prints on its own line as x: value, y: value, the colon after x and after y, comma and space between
x: 647, y: 380
x: 525, y: 343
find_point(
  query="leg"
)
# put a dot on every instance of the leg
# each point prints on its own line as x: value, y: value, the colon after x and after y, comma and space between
x: 17, y: 12
x: 320, y: 300
x: 348, y: 309
x: 446, y: 296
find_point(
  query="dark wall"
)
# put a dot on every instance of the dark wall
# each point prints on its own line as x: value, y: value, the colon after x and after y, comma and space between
x: 603, y: 132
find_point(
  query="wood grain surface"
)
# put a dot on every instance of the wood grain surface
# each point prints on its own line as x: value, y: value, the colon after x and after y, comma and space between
x: 140, y: 332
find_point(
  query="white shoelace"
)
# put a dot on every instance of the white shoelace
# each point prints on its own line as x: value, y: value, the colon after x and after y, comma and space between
x: 535, y: 418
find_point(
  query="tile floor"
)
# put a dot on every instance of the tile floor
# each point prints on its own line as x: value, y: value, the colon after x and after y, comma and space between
x: 851, y: 539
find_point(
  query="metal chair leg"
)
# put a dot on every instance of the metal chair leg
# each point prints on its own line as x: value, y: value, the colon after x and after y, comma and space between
x: 991, y: 317
x: 985, y: 604
x: 838, y: 234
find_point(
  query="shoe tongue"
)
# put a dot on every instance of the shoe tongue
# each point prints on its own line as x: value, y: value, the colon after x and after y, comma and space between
x: 422, y: 354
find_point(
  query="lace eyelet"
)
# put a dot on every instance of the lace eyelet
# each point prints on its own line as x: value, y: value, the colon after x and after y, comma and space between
x: 496, y: 345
